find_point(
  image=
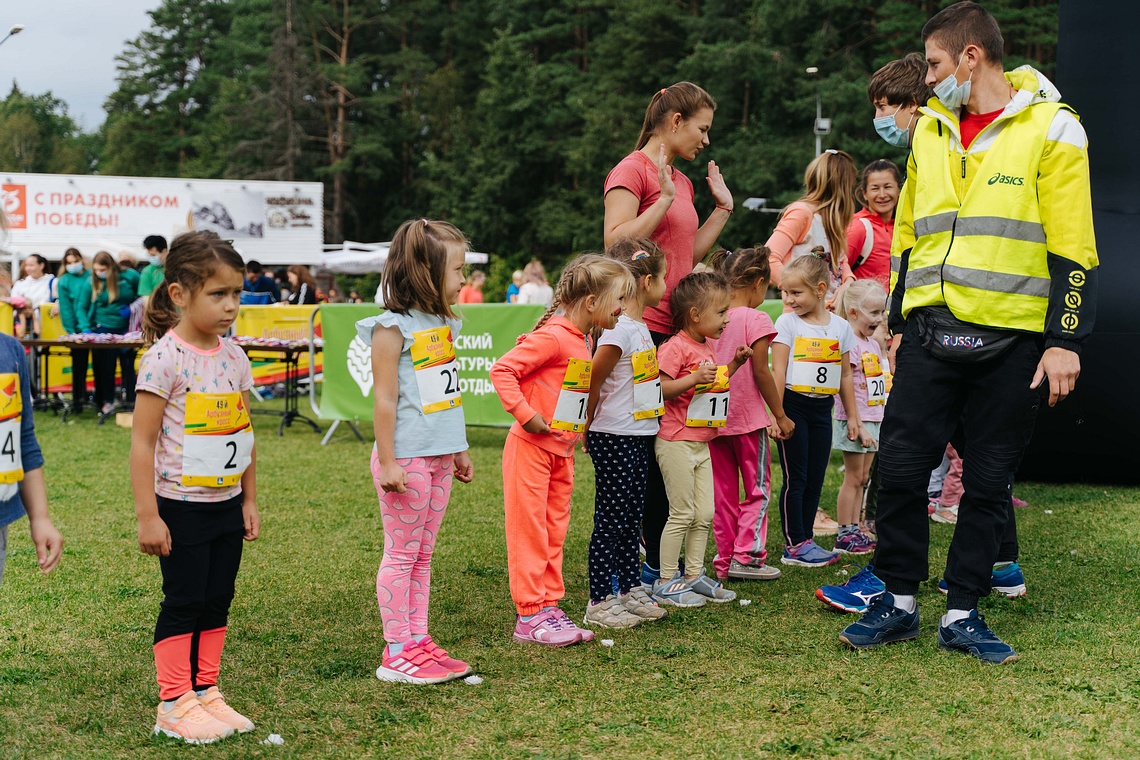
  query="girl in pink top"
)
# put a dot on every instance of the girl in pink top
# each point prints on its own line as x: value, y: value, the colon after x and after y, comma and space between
x: 741, y: 450
x: 192, y: 472
x: 819, y: 218
x: 869, y: 234
x: 863, y: 305
x: 696, y: 396
x: 646, y: 197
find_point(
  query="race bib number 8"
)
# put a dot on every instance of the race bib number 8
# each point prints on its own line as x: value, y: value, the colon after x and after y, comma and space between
x: 570, y: 413
x: 709, y: 405
x: 11, y: 408
x: 876, y: 381
x: 648, y: 403
x: 217, y: 444
x: 816, y: 365
x: 437, y: 372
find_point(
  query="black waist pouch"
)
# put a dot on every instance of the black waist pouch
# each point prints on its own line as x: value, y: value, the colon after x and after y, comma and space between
x: 948, y: 338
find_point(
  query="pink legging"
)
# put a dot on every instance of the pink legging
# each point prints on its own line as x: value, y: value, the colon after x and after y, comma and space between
x: 411, y: 523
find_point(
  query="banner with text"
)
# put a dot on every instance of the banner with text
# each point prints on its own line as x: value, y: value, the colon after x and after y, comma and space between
x: 280, y: 323
x: 489, y: 331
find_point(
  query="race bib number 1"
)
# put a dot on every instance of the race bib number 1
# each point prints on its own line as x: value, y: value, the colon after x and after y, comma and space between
x: 570, y: 413
x: 437, y: 372
x: 816, y: 365
x: 648, y: 403
x: 709, y: 405
x: 876, y: 380
x: 11, y: 408
x: 217, y: 444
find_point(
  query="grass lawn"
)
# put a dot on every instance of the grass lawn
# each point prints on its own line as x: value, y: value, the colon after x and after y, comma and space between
x: 724, y: 681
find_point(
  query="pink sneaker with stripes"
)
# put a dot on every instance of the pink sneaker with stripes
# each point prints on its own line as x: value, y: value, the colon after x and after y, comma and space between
x: 413, y: 664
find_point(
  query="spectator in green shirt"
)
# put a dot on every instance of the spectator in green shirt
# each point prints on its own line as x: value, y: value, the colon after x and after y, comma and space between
x: 155, y: 272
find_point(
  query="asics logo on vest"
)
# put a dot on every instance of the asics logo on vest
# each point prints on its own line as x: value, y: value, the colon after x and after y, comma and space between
x: 962, y: 341
x: 1005, y: 179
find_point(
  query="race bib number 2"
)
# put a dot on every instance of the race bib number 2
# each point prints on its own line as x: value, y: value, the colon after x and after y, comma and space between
x: 816, y: 365
x: 570, y: 412
x: 709, y: 405
x: 437, y: 372
x: 217, y: 445
x: 11, y: 409
x: 648, y: 402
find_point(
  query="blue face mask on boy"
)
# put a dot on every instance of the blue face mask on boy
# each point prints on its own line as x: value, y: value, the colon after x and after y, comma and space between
x: 952, y: 94
x: 888, y: 129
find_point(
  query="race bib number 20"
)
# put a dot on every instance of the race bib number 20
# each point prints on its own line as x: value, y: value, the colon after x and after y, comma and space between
x: 217, y: 445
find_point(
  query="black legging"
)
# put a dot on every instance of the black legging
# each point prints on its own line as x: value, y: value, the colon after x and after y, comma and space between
x: 620, y: 466
x: 803, y: 459
x: 656, y: 512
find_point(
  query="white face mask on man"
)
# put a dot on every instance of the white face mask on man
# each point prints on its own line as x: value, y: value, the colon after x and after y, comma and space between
x: 952, y: 94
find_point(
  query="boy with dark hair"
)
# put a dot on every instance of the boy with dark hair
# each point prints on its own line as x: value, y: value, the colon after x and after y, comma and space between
x: 257, y: 282
x: 154, y: 273
x: 994, y: 278
x: 896, y: 91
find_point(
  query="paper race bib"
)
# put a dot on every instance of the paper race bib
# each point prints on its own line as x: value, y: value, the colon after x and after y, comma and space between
x: 816, y: 365
x: 11, y: 457
x: 876, y: 380
x: 709, y: 405
x: 217, y: 444
x: 437, y: 372
x: 648, y: 403
x: 570, y: 413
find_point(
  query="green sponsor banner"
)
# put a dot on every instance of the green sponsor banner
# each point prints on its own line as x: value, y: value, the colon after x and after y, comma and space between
x: 489, y: 331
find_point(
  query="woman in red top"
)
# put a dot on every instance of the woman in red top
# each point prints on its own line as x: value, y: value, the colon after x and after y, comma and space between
x: 646, y: 198
x: 869, y: 234
x: 472, y: 291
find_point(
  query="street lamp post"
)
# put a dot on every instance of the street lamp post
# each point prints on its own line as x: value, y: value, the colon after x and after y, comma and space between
x: 16, y: 29
x: 822, y: 126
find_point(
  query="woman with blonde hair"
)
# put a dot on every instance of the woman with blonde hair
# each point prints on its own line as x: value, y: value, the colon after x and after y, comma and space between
x: 110, y: 293
x: 820, y: 217
x: 535, y: 288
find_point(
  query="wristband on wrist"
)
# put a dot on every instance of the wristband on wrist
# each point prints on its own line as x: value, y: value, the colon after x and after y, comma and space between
x: 724, y: 208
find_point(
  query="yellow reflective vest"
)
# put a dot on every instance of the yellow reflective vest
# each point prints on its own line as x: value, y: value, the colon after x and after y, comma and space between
x: 977, y: 226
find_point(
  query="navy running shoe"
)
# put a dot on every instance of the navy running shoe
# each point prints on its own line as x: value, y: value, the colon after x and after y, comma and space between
x: 1008, y: 581
x: 649, y: 576
x: 972, y: 636
x: 856, y: 594
x: 882, y: 623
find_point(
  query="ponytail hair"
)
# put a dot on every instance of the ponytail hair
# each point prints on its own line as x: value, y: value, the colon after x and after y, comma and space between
x: 684, y: 98
x: 695, y: 291
x: 743, y: 268
x: 811, y: 269
x: 587, y: 275
x: 417, y: 267
x: 641, y: 257
x: 193, y: 258
x: 856, y: 294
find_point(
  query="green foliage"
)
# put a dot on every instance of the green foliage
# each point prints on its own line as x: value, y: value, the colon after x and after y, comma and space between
x: 38, y: 135
x: 504, y: 116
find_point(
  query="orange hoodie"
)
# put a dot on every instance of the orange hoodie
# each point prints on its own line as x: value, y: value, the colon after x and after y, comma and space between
x: 528, y: 379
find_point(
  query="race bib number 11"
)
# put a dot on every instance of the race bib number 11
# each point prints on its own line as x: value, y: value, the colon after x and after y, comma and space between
x: 570, y: 413
x: 709, y: 405
x: 217, y: 445
x: 816, y: 365
x: 437, y: 372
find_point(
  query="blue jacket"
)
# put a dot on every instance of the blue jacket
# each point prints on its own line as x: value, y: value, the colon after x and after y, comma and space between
x: 12, y: 360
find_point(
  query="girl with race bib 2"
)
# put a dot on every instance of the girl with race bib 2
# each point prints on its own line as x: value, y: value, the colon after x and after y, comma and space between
x: 624, y: 410
x: 544, y: 383
x: 696, y: 392
x: 192, y: 472
x: 421, y: 438
x: 810, y: 363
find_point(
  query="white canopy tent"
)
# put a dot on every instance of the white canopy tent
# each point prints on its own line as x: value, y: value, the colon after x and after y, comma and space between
x: 363, y: 258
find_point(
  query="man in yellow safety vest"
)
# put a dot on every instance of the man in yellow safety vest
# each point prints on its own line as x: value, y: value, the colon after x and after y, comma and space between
x: 993, y: 281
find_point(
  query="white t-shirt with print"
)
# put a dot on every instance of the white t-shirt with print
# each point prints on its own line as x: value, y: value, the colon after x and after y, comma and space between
x: 789, y: 327
x: 614, y: 414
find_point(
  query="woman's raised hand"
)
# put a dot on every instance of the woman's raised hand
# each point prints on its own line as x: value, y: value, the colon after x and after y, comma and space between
x: 717, y: 187
x: 665, y: 176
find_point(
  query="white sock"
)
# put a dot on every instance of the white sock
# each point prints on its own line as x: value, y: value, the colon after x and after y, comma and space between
x: 953, y: 616
x: 168, y: 704
x: 906, y: 603
x: 201, y: 692
x: 1001, y: 565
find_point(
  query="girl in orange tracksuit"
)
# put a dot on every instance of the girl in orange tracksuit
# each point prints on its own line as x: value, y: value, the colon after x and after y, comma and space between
x: 544, y: 382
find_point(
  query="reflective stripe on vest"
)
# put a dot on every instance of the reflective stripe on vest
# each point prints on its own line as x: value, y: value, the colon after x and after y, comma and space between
x: 983, y: 256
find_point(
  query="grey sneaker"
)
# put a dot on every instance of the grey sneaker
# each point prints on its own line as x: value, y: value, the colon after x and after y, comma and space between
x: 711, y: 590
x: 610, y: 613
x: 640, y: 603
x: 761, y: 572
x: 676, y: 592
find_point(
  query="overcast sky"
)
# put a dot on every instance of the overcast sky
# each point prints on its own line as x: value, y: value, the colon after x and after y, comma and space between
x: 69, y: 48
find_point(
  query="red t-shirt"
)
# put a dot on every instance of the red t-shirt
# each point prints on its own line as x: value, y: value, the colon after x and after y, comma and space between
x: 878, y: 265
x: 973, y: 123
x: 676, y: 236
x: 470, y: 294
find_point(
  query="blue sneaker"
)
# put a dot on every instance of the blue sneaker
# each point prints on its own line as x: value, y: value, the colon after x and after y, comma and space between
x: 882, y: 623
x: 808, y: 554
x: 973, y: 636
x: 856, y: 594
x: 649, y: 576
x: 1009, y: 581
